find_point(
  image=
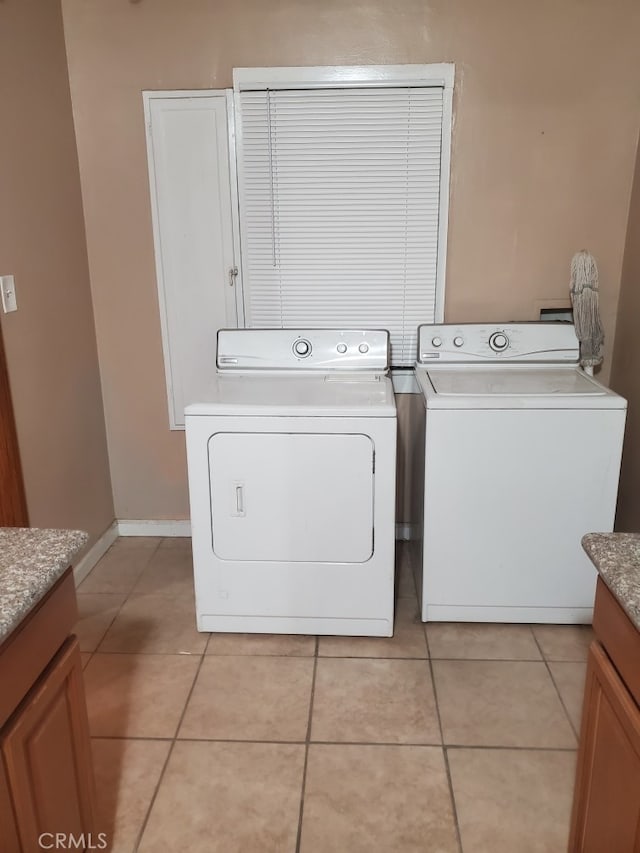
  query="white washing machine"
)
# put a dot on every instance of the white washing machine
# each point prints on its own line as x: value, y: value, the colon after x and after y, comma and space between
x: 292, y: 459
x: 521, y: 458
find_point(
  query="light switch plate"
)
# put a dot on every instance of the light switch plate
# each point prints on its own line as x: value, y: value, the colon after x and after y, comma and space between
x: 8, y: 293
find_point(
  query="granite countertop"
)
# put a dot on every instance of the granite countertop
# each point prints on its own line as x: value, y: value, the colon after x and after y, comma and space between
x: 616, y: 556
x: 31, y: 561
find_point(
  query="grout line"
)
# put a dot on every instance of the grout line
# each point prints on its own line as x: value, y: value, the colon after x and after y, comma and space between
x: 445, y: 756
x: 566, y: 710
x: 373, y: 657
x: 131, y: 737
x: 306, y: 749
x: 155, y: 654
x: 426, y: 637
x: 109, y: 626
x: 407, y: 745
x: 557, y: 689
x: 153, y: 553
x: 207, y: 644
x: 508, y: 748
x: 169, y: 754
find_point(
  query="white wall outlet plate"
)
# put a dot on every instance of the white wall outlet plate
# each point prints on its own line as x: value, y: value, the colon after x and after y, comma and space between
x: 8, y: 293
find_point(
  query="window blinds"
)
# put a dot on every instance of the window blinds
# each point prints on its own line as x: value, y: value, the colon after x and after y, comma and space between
x: 339, y: 203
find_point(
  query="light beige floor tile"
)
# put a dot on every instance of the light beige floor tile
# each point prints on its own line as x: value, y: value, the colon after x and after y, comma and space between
x: 564, y: 642
x: 126, y: 772
x: 374, y: 701
x: 85, y: 657
x: 287, y: 645
x: 500, y: 703
x: 569, y: 679
x: 96, y: 613
x: 250, y: 698
x: 512, y: 801
x: 124, y: 542
x: 408, y: 639
x: 137, y: 695
x: 471, y: 640
x: 169, y: 572
x: 176, y: 542
x: 155, y: 624
x: 376, y: 799
x: 119, y: 569
x: 227, y: 798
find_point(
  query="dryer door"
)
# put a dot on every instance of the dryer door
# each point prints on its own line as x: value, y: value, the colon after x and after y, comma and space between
x: 292, y: 497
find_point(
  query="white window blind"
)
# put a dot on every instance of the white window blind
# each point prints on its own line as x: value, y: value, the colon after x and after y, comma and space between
x: 339, y: 208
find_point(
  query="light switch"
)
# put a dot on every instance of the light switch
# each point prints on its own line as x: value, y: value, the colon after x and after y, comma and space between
x: 8, y: 293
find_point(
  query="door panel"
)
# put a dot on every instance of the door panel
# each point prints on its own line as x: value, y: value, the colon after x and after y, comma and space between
x: 606, y: 809
x: 292, y: 497
x: 46, y: 753
x: 188, y: 152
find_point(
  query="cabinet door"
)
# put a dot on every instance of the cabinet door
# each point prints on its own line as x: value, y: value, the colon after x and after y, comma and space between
x: 9, y: 842
x: 47, y: 755
x: 191, y: 203
x: 606, y: 809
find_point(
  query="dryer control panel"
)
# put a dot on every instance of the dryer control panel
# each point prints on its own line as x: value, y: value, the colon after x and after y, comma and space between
x: 303, y: 349
x: 490, y: 343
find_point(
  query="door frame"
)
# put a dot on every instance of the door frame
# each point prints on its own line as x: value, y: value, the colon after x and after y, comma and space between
x: 13, y: 502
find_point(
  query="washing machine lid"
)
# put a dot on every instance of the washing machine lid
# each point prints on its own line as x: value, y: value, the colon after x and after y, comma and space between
x: 515, y: 387
x: 328, y: 395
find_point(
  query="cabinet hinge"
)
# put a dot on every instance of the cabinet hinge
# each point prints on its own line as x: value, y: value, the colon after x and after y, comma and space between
x: 233, y: 273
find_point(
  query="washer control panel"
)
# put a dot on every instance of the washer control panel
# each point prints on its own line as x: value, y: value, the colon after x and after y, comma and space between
x: 485, y: 342
x: 303, y: 349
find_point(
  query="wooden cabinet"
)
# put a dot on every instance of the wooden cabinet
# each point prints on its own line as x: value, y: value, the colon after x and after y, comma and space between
x: 606, y: 810
x: 46, y: 776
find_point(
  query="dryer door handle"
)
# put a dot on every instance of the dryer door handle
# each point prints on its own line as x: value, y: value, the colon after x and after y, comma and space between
x: 239, y: 500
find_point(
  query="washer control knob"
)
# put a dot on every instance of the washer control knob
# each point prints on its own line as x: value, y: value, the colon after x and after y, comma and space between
x: 302, y: 348
x: 364, y: 348
x: 458, y: 341
x: 342, y: 348
x: 436, y: 342
x: 498, y: 341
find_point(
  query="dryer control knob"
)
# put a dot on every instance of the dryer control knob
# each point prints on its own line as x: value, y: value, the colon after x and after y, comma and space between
x: 458, y: 342
x: 302, y: 348
x: 436, y: 342
x: 342, y: 348
x: 364, y: 348
x: 498, y: 341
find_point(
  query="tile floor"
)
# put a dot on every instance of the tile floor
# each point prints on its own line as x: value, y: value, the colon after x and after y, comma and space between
x: 444, y: 738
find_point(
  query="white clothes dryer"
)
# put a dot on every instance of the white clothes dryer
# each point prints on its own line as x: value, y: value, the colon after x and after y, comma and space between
x: 291, y: 461
x: 522, y: 456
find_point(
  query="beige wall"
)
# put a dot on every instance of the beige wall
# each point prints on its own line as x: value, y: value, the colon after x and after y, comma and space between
x: 547, y: 106
x: 625, y: 372
x: 50, y: 340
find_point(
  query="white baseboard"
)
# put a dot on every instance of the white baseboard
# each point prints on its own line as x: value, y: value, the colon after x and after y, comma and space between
x: 97, y: 550
x: 142, y: 527
x: 406, y: 532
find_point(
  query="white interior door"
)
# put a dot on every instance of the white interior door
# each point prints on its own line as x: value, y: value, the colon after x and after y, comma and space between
x: 292, y: 497
x: 191, y: 201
